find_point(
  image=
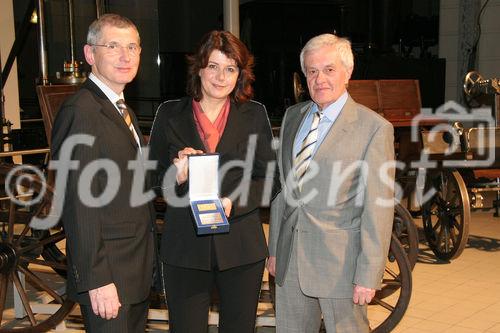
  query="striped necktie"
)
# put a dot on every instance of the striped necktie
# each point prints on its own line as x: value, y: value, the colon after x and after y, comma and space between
x: 126, y: 115
x: 303, y: 157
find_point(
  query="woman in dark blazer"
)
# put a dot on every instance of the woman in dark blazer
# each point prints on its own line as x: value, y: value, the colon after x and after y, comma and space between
x: 217, y: 116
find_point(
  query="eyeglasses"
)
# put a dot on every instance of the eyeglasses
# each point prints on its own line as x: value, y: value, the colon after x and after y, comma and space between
x: 115, y: 48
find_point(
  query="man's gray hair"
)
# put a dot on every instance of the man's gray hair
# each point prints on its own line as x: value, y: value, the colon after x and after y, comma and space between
x: 112, y: 20
x: 342, y: 47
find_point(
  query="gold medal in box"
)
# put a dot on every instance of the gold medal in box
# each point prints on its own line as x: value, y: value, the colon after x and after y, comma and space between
x: 204, y: 199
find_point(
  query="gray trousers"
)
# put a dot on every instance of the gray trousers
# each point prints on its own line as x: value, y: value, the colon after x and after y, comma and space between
x: 299, y: 313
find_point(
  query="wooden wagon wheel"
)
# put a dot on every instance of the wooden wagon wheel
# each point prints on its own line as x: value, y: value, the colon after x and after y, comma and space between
x: 386, y: 312
x: 24, y: 252
x: 405, y: 229
x: 406, y: 232
x: 446, y: 216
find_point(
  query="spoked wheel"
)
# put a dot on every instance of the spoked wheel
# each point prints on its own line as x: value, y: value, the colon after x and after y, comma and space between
x: 385, y: 312
x: 24, y: 266
x: 51, y: 252
x: 446, y: 216
x: 405, y: 229
x: 406, y: 232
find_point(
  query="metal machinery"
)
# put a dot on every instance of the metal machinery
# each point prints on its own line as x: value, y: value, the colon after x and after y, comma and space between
x: 466, y: 166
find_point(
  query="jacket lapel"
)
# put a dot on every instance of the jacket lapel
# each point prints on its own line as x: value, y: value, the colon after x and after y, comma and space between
x: 236, y: 120
x: 183, y: 124
x: 289, y: 133
x: 341, y: 130
x: 112, y: 113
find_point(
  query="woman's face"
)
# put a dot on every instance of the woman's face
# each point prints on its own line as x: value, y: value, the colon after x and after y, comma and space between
x: 219, y: 78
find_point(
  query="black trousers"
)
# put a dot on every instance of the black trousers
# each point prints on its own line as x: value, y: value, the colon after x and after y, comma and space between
x: 131, y: 318
x: 189, y: 291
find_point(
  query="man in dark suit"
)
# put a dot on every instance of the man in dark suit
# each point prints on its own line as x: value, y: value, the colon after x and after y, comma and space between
x: 109, y: 233
x: 331, y: 224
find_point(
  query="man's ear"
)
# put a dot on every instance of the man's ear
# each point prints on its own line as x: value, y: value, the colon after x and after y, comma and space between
x: 349, y: 73
x: 89, y: 54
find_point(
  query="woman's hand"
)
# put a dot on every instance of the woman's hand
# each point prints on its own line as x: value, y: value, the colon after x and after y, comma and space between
x: 228, y: 205
x: 181, y: 163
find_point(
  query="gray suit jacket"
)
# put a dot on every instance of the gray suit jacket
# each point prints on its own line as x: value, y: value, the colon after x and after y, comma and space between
x: 336, y: 223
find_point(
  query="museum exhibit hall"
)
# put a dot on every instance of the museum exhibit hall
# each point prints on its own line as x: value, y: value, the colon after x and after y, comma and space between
x: 250, y: 166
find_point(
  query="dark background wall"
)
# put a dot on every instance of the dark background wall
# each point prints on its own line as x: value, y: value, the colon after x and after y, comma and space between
x: 181, y: 25
x: 391, y: 39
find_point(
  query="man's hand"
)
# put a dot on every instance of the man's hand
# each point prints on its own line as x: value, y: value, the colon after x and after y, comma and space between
x: 181, y: 163
x: 271, y: 265
x: 104, y: 301
x: 228, y: 205
x: 362, y: 295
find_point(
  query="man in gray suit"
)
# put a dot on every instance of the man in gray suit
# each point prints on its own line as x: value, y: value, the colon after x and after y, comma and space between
x: 331, y: 223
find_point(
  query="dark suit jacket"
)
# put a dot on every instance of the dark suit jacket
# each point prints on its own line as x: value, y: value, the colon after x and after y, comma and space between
x: 174, y: 129
x: 112, y: 243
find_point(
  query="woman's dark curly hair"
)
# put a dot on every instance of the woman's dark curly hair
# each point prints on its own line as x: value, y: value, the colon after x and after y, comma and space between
x: 232, y: 48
